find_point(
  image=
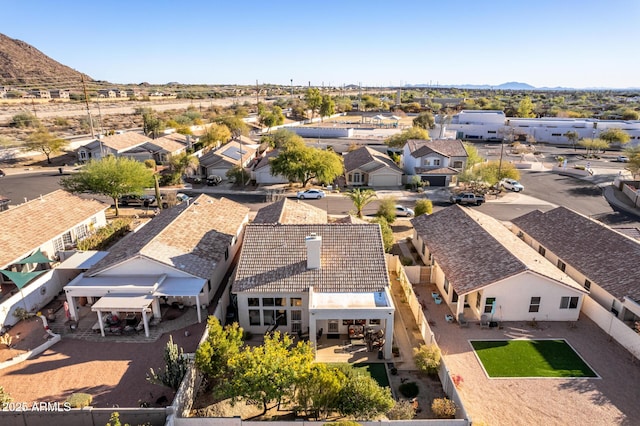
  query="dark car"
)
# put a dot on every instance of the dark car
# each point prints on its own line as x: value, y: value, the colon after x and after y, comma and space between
x: 137, y: 200
x: 2, y: 174
x: 213, y: 180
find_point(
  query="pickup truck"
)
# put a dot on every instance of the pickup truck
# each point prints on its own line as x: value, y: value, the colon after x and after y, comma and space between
x: 467, y: 198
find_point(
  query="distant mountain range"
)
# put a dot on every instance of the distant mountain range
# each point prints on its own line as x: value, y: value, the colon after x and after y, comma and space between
x: 514, y: 85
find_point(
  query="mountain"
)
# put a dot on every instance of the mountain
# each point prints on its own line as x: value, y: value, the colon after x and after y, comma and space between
x: 23, y: 65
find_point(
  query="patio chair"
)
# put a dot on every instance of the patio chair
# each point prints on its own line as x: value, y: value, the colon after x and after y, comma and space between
x: 484, y: 321
x: 462, y: 321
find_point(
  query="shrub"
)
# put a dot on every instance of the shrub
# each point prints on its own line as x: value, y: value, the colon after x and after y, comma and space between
x: 403, y: 410
x: 79, y: 400
x: 24, y: 119
x: 150, y: 163
x: 423, y: 207
x: 21, y: 314
x: 4, y: 396
x: 406, y: 261
x: 443, y: 408
x: 409, y: 390
x: 106, y: 235
x: 176, y: 364
x: 343, y: 423
x: 387, y: 210
x: 427, y: 358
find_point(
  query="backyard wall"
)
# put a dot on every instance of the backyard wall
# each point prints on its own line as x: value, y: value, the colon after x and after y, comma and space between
x: 611, y: 325
x: 87, y: 416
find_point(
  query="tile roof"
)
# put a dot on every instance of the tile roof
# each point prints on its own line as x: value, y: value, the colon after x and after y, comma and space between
x: 171, y: 143
x: 604, y: 256
x: 125, y: 141
x: 223, y: 155
x: 274, y: 259
x: 28, y: 226
x: 349, y: 219
x: 447, y: 147
x: 475, y: 250
x: 264, y: 161
x: 190, y: 237
x: 291, y: 212
x: 369, y: 160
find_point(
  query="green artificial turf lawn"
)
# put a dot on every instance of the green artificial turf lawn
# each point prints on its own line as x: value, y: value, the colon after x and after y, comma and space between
x: 530, y: 358
x: 376, y: 371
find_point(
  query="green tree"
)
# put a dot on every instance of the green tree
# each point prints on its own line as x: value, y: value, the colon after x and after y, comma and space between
x: 152, y: 124
x: 593, y: 145
x: 371, y: 102
x: 235, y: 124
x: 492, y: 172
x: 42, y: 140
x: 25, y: 119
x: 318, y: 391
x: 327, y: 107
x: 238, y: 175
x: 423, y: 207
x: 181, y: 164
x: 387, y: 209
x: 176, y: 365
x: 280, y: 138
x: 573, y: 137
x: 110, y: 176
x: 424, y: 120
x: 363, y: 398
x: 360, y: 198
x: 473, y: 156
x: 618, y: 136
x: 298, y: 162
x: 629, y: 114
x: 215, y: 133
x: 313, y: 98
x: 427, y: 359
x: 269, y: 372
x: 387, y: 232
x: 272, y: 118
x: 634, y: 160
x: 525, y: 108
x: 398, y: 140
x: 220, y: 345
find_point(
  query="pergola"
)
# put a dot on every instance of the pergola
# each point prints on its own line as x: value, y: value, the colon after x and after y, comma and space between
x: 124, y: 303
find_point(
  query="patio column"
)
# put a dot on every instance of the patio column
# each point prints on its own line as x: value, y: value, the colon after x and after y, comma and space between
x: 100, y: 322
x: 388, y: 336
x: 312, y: 330
x: 460, y: 306
x: 198, y: 308
x: 155, y: 307
x: 73, y: 310
x: 145, y: 321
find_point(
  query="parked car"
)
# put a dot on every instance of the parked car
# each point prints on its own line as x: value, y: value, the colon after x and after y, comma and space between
x: 311, y: 193
x: 2, y: 173
x: 136, y: 200
x: 511, y: 185
x: 467, y: 198
x: 404, y: 211
x: 622, y: 159
x: 182, y: 197
x: 213, y: 180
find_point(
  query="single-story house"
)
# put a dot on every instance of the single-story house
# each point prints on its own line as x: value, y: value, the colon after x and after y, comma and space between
x: 324, y: 278
x: 120, y: 145
x: 481, y: 268
x: 218, y: 162
x: 34, y: 237
x: 286, y: 211
x: 262, y: 171
x: 436, y: 161
x: 181, y: 255
x: 368, y: 167
x: 601, y: 259
x: 172, y: 144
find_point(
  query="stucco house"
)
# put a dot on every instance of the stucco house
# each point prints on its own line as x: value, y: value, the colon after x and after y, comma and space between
x: 481, y: 268
x: 120, y: 145
x: 368, y: 167
x: 287, y: 211
x: 164, y: 147
x: 261, y: 173
x: 601, y: 259
x: 181, y: 255
x: 436, y: 161
x: 34, y: 236
x: 321, y: 278
x: 218, y: 162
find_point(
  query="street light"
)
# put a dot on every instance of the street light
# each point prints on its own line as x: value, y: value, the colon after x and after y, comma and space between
x: 291, y: 89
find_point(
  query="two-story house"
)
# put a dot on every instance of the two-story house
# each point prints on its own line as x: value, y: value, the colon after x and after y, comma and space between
x: 438, y: 161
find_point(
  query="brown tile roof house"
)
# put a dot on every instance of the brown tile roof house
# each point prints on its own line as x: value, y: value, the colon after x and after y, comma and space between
x: 349, y: 219
x: 124, y: 141
x: 286, y: 211
x: 172, y: 143
x: 368, y: 160
x: 475, y: 250
x: 446, y: 147
x: 227, y: 156
x: 274, y: 259
x: 34, y: 223
x: 190, y: 237
x: 603, y: 255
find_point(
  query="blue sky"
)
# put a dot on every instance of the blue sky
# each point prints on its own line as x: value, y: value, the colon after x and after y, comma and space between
x: 567, y: 43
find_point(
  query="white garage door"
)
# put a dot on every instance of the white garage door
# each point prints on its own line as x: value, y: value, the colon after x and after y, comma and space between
x: 388, y: 179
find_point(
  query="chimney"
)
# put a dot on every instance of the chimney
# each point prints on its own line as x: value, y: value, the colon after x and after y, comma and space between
x: 314, y: 248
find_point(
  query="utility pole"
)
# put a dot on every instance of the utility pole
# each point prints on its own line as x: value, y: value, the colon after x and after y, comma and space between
x: 257, y: 93
x: 86, y: 100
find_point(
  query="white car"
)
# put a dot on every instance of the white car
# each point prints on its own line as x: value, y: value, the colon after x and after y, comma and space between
x: 404, y: 211
x: 622, y: 159
x: 311, y: 193
x: 511, y: 185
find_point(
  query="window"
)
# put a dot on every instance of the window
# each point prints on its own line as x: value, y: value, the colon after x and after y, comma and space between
x: 534, y: 305
x: 356, y: 178
x: 587, y: 284
x: 66, y: 238
x: 82, y: 231
x: 561, y: 265
x: 296, y: 301
x: 374, y: 322
x: 423, y: 248
x: 296, y: 315
x: 488, y: 304
x: 254, y: 301
x: 268, y: 301
x: 454, y: 298
x: 457, y: 164
x: 556, y: 134
x: 58, y: 244
x: 268, y: 316
x: 446, y: 286
x: 280, y: 301
x: 333, y: 326
x: 491, y: 132
x: 436, y: 161
x: 254, y: 317
x: 281, y: 317
x: 226, y: 253
x: 478, y: 299
x: 568, y: 303
x: 542, y: 250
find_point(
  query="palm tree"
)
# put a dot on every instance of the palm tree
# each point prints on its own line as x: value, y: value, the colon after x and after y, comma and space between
x: 360, y: 198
